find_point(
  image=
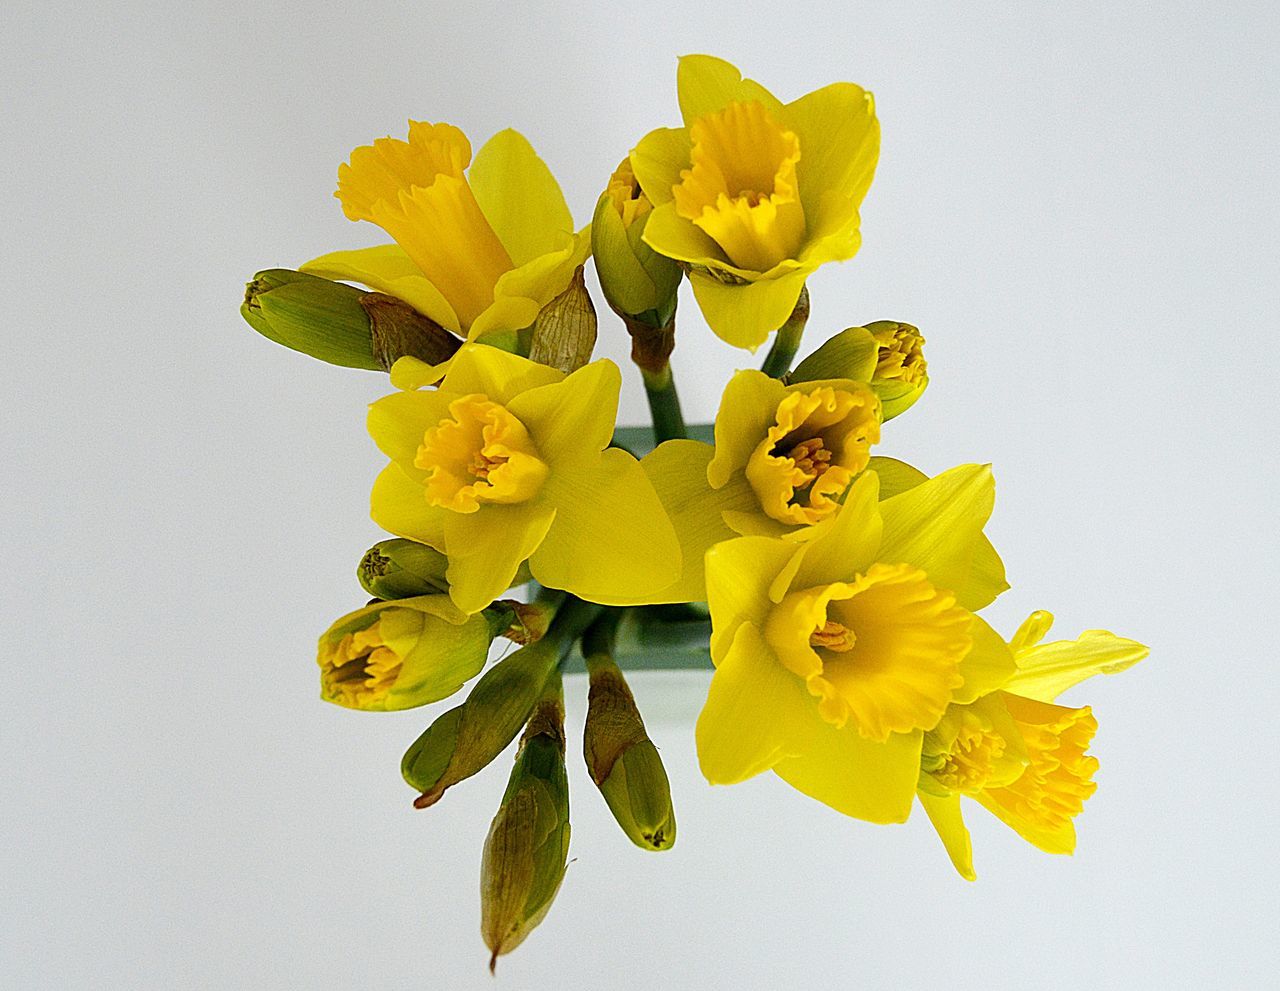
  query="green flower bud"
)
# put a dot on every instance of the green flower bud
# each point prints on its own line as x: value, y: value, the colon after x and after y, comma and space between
x: 340, y: 324
x: 527, y: 849
x: 397, y: 655
x: 639, y: 283
x: 623, y: 761
x: 889, y: 356
x: 467, y: 738
x: 398, y: 569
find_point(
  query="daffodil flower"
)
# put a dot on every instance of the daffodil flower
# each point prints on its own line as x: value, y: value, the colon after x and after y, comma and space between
x: 1017, y: 753
x: 752, y: 195
x: 783, y: 459
x: 479, y: 251
x: 397, y: 655
x: 834, y: 654
x: 506, y: 462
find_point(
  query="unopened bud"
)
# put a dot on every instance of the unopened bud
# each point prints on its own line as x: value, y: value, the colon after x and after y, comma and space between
x: 527, y: 849
x: 399, y: 569
x: 397, y: 655
x: 887, y: 355
x: 622, y: 760
x: 340, y: 324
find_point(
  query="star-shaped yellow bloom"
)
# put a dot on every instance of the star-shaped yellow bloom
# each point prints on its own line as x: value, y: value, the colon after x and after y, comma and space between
x: 752, y: 194
x: 479, y: 251
x: 834, y: 654
x: 509, y: 461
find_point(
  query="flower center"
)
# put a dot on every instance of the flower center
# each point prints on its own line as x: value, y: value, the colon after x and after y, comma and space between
x: 741, y: 186
x: 969, y: 764
x: 819, y: 441
x: 359, y: 669
x: 883, y: 650
x: 480, y: 454
x: 901, y: 353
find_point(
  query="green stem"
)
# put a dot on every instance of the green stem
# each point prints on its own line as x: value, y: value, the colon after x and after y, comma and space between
x: 572, y: 618
x: 598, y: 640
x: 787, y: 342
x: 664, y: 404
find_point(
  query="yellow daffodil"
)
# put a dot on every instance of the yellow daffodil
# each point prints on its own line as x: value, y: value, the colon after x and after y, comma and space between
x: 784, y: 456
x: 1014, y: 751
x: 507, y: 462
x: 834, y: 654
x: 397, y: 655
x: 479, y: 251
x: 752, y: 194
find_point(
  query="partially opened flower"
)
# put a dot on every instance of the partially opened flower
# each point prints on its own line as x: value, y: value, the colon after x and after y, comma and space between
x: 836, y: 653
x: 752, y: 194
x: 479, y: 251
x: 509, y: 461
x: 1015, y: 752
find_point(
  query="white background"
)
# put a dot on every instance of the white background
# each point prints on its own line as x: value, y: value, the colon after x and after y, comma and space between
x: 1077, y: 204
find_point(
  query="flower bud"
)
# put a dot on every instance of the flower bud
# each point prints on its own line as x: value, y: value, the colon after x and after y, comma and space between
x: 468, y: 737
x: 889, y: 356
x: 397, y: 655
x: 399, y: 569
x: 526, y: 851
x: 639, y: 283
x: 340, y: 324
x: 623, y: 761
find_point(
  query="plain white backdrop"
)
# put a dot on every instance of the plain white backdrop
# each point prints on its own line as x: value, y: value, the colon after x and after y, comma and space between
x: 1075, y: 202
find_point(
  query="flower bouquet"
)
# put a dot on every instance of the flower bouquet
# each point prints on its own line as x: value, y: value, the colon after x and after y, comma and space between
x: 837, y: 593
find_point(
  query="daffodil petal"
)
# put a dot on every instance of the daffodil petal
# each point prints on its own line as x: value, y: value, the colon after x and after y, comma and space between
x: 839, y: 142
x: 755, y: 709
x: 398, y: 504
x: 486, y: 549
x: 499, y: 375
x: 658, y: 160
x: 948, y: 820
x: 856, y: 776
x: 988, y: 666
x: 848, y: 542
x: 574, y: 417
x: 397, y: 422
x: 748, y: 407
x: 1032, y: 630
x: 1047, y: 670
x: 519, y: 197
x: 739, y: 575
x: 678, y: 471
x: 520, y: 294
x: 611, y: 541
x: 387, y: 269
x: 745, y: 315
x: 936, y: 525
x: 706, y: 84
x: 410, y: 373
x: 670, y: 234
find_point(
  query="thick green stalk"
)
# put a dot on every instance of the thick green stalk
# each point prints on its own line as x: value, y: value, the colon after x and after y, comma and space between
x: 664, y: 404
x: 787, y: 341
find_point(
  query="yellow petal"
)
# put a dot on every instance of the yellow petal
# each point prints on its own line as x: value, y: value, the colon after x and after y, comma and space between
x: 521, y: 293
x: 520, y: 197
x: 848, y: 542
x: 936, y: 525
x: 745, y: 315
x: 706, y: 84
x: 398, y: 422
x: 839, y: 142
x: 486, y: 549
x: 747, y: 410
x: 755, y: 710
x: 678, y: 471
x: 611, y: 541
x: 740, y: 573
x: 398, y: 504
x: 575, y: 417
x: 855, y: 776
x: 1047, y: 670
x: 670, y: 234
x: 895, y: 476
x: 948, y: 820
x: 378, y: 173
x: 410, y: 373
x: 387, y: 269
x: 988, y: 666
x: 1033, y: 629
x: 499, y: 375
x: 658, y: 160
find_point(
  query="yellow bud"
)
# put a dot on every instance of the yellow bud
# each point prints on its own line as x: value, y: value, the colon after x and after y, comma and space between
x: 887, y: 355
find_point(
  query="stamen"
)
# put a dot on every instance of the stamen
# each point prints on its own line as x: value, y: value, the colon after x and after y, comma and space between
x: 811, y: 457
x: 833, y: 636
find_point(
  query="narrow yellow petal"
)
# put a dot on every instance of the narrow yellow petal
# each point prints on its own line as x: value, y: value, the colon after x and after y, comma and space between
x: 398, y: 504
x: 1047, y: 670
x: 670, y: 234
x: 658, y: 160
x: 948, y: 820
x: 755, y: 711
x: 739, y: 575
x: 387, y: 269
x: 572, y: 418
x: 520, y: 197
x: 521, y: 293
x: 848, y: 542
x: 486, y: 549
x: 499, y: 375
x: 747, y: 409
x: 706, y: 84
x: 745, y: 315
x: 855, y: 776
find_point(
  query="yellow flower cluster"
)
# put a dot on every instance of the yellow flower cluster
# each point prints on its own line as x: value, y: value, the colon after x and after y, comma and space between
x: 837, y: 593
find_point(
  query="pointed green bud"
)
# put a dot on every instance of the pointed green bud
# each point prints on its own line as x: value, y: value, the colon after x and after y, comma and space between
x: 399, y: 569
x: 527, y: 849
x: 564, y: 334
x: 398, y: 655
x: 887, y: 355
x: 466, y: 739
x: 622, y: 760
x: 639, y: 284
x: 340, y: 324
